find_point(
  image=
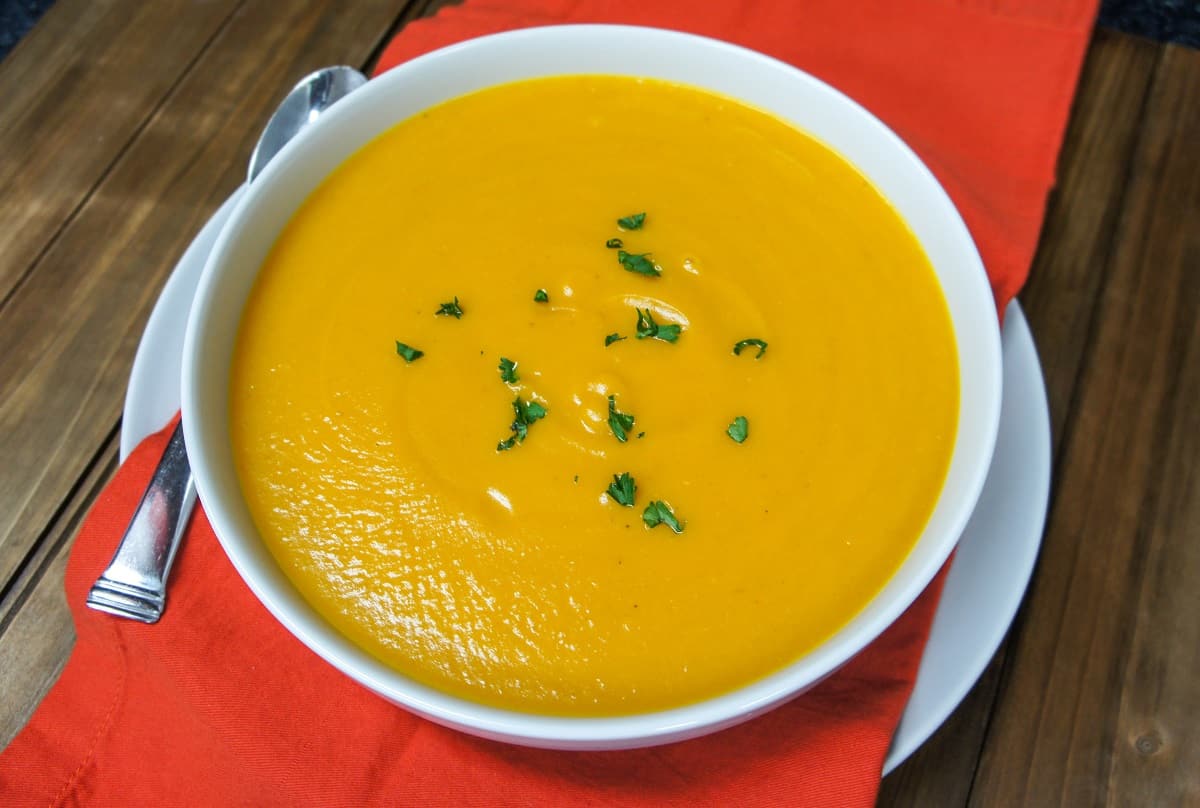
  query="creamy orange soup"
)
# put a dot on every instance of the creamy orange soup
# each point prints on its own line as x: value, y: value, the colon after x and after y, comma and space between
x: 493, y: 549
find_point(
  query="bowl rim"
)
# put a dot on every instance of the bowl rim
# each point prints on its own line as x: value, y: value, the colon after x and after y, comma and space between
x: 582, y: 733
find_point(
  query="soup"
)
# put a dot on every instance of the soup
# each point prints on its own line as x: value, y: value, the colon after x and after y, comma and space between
x: 593, y: 395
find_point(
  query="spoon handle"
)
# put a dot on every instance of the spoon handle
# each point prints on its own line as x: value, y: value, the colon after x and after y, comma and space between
x: 135, y: 583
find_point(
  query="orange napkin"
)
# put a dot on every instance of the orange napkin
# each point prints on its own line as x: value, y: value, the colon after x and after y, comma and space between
x: 218, y: 705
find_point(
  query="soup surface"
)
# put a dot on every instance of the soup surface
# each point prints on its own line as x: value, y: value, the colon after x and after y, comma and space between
x: 447, y: 342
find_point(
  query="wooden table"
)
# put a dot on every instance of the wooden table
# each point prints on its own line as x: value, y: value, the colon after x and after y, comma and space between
x: 125, y: 124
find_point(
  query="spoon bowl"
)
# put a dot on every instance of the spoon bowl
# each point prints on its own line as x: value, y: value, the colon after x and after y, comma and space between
x: 308, y: 100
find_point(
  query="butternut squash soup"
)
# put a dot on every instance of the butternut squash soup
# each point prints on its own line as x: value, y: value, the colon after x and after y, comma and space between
x: 593, y: 395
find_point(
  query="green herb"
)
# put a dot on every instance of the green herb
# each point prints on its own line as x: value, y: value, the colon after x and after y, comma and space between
x: 660, y: 513
x: 647, y: 328
x: 622, y: 489
x: 451, y: 309
x: 611, y: 338
x: 409, y: 353
x: 540, y: 296
x: 508, y: 371
x: 739, y: 430
x: 633, y: 222
x: 614, y: 244
x: 639, y: 264
x: 527, y: 412
x: 757, y: 343
x: 621, y: 423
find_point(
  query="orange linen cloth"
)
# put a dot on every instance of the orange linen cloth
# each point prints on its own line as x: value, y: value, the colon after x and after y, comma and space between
x: 218, y: 705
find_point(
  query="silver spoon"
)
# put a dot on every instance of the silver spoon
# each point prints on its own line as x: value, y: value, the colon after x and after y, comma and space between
x: 135, y: 583
x: 315, y: 93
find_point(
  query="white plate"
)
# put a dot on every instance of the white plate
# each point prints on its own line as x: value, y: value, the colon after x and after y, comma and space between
x: 995, y: 556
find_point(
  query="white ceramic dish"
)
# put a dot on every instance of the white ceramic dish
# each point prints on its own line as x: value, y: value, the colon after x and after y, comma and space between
x: 992, y: 564
x: 270, y: 201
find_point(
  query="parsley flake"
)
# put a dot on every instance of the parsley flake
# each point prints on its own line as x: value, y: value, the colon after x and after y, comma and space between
x: 647, y: 328
x: 621, y: 423
x: 527, y: 412
x: 409, y: 353
x: 632, y: 222
x: 660, y: 513
x: 639, y: 264
x: 739, y: 430
x: 741, y: 345
x: 622, y: 489
x: 540, y: 296
x: 613, y: 337
x: 614, y: 244
x: 451, y: 309
x: 508, y: 371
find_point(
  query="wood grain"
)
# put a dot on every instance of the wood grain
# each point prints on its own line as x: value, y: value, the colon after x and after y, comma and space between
x: 1099, y: 705
x: 68, y: 333
x: 75, y: 91
x: 1059, y: 301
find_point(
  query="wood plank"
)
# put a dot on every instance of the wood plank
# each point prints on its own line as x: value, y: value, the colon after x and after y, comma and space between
x: 68, y: 334
x: 1059, y: 301
x: 76, y: 90
x: 1100, y: 704
x: 36, y: 633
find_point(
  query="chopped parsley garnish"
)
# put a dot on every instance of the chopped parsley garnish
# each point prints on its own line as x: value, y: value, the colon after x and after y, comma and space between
x: 409, y: 353
x: 614, y: 244
x: 613, y: 337
x: 527, y: 412
x: 622, y: 489
x: 639, y: 264
x: 739, y: 430
x: 508, y: 371
x: 738, y: 347
x: 621, y: 423
x: 540, y: 296
x: 660, y: 513
x: 451, y: 309
x: 647, y: 328
x: 632, y: 222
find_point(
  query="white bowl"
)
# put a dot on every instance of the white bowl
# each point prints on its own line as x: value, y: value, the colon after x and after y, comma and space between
x: 755, y: 79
